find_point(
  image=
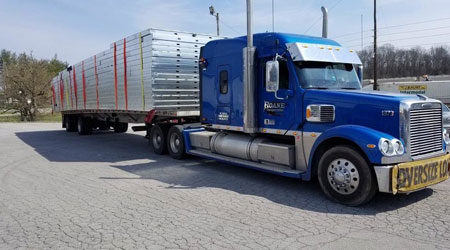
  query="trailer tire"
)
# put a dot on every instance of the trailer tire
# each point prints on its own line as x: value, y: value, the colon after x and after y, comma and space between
x: 103, y: 125
x: 346, y: 177
x: 84, y: 125
x: 175, y: 142
x: 120, y: 127
x: 158, y: 139
x: 70, y: 123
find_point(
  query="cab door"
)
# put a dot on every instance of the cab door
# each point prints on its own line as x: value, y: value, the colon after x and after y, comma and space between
x: 277, y: 111
x: 223, y: 95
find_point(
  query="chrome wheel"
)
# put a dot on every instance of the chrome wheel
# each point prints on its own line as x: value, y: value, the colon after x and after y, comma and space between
x: 343, y: 176
x: 157, y: 140
x: 174, y: 142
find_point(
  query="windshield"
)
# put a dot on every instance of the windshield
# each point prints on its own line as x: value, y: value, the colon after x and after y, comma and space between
x: 326, y: 75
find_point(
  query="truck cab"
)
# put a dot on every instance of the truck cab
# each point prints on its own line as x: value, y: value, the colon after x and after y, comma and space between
x: 312, y: 120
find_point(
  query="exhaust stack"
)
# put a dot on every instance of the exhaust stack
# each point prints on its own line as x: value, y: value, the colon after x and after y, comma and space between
x: 324, y: 22
x: 249, y: 116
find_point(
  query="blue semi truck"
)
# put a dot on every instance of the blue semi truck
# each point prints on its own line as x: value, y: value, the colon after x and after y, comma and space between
x: 306, y: 117
x: 286, y: 104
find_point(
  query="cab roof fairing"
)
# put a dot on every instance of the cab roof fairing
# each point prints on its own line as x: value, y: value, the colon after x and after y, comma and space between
x: 322, y: 53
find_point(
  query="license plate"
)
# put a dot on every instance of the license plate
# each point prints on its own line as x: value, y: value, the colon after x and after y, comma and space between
x: 411, y: 176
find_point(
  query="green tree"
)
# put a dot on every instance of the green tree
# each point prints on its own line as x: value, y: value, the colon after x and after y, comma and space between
x: 26, y: 83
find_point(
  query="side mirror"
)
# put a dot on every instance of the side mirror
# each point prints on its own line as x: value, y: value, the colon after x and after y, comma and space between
x: 359, y: 71
x: 272, y: 76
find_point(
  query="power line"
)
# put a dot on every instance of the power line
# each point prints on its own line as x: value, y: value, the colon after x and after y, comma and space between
x: 405, y: 38
x: 394, y: 26
x: 396, y: 33
x: 229, y: 27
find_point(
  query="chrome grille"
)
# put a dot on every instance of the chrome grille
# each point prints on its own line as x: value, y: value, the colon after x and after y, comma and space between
x: 425, y: 131
x: 326, y: 113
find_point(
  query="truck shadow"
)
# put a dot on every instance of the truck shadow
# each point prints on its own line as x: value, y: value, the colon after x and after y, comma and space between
x: 117, y: 149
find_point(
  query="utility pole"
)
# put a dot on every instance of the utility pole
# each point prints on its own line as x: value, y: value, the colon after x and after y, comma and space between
x: 375, y: 84
x: 213, y: 13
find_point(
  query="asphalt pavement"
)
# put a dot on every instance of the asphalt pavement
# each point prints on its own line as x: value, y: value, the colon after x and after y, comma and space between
x: 60, y: 190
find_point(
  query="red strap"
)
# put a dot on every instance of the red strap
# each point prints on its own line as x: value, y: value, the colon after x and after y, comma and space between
x: 61, y: 92
x: 125, y: 83
x: 96, y: 79
x: 84, y: 84
x: 75, y: 87
x: 115, y: 75
x: 70, y: 87
x: 53, y: 98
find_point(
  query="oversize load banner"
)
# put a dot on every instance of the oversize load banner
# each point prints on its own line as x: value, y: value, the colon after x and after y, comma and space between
x: 410, y: 176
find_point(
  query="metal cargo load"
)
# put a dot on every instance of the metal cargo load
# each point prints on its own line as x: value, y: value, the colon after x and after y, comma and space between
x: 151, y: 70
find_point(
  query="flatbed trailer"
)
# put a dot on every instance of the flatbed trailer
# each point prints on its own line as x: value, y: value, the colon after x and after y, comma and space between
x: 151, y: 76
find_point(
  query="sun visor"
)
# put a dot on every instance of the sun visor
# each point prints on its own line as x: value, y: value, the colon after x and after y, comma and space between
x: 322, y: 53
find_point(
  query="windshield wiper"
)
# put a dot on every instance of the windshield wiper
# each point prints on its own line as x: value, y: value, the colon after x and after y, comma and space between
x: 317, y: 88
x: 349, y: 88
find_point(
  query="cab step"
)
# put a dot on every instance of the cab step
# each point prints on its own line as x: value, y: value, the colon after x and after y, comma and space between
x: 273, y: 169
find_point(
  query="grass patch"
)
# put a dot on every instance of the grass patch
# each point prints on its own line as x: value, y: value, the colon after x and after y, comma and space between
x: 48, y: 117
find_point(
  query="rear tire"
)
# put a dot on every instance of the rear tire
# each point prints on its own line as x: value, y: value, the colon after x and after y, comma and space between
x: 175, y: 142
x: 84, y: 125
x: 120, y: 127
x: 158, y: 139
x: 103, y: 125
x: 70, y: 123
x: 346, y: 177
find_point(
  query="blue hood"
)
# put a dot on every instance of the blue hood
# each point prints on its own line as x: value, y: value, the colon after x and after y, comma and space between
x: 358, y: 107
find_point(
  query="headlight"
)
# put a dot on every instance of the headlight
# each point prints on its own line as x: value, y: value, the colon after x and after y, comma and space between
x: 386, y: 147
x: 446, y: 136
x: 398, y: 146
x: 391, y: 147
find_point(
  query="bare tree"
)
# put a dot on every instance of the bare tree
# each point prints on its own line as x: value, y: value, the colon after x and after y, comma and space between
x: 394, y: 62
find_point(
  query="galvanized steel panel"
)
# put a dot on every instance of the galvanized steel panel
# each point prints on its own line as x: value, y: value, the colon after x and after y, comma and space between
x: 161, y: 73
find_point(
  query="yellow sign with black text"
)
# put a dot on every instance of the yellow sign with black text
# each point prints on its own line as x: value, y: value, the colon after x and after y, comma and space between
x: 412, y: 89
x: 411, y: 176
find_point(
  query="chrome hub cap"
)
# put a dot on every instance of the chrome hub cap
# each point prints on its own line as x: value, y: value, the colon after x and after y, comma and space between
x: 174, y: 143
x: 343, y: 176
x: 157, y: 141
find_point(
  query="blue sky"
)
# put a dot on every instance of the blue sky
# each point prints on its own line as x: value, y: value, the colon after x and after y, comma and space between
x: 77, y: 29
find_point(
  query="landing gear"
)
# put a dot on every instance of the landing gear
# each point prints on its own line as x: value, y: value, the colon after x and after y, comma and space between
x: 120, y: 127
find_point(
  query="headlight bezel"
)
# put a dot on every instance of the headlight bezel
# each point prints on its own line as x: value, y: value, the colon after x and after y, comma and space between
x: 446, y: 136
x: 393, y: 147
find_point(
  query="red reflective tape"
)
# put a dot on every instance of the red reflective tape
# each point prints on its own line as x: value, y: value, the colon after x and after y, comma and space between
x: 53, y: 97
x: 70, y: 86
x: 61, y: 92
x: 84, y: 84
x: 96, y: 79
x: 75, y: 87
x: 125, y: 83
x: 115, y: 74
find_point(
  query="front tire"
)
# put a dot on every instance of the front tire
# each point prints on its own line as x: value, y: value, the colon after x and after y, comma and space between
x: 346, y: 177
x: 158, y: 139
x: 175, y: 142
